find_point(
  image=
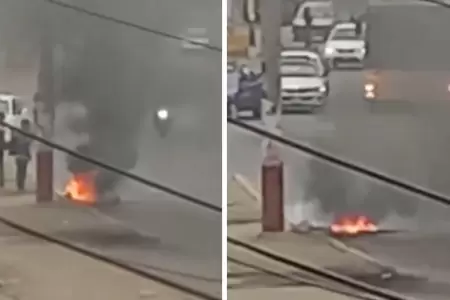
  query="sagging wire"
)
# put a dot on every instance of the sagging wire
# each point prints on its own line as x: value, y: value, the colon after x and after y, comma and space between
x: 322, y: 273
x: 106, y: 166
x: 171, y: 272
x: 99, y: 214
x: 300, y: 281
x: 98, y: 15
x: 345, y: 164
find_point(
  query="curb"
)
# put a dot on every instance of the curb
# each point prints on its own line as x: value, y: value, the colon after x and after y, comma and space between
x: 389, y: 271
x: 247, y: 187
x: 341, y: 246
x: 318, y: 271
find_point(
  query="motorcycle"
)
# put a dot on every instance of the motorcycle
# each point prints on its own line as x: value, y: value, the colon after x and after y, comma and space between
x: 162, y: 121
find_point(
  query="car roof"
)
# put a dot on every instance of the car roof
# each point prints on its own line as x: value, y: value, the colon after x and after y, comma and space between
x: 345, y: 25
x: 317, y: 3
x: 7, y: 97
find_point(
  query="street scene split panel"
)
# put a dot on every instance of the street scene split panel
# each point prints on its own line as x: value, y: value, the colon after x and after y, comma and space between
x: 110, y: 166
x: 337, y: 132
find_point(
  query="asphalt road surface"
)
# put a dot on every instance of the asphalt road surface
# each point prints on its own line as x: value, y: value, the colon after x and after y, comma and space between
x: 188, y: 84
x: 410, y: 142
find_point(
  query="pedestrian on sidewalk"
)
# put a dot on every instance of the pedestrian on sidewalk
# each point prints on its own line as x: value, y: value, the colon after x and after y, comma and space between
x: 22, y: 155
x: 3, y: 148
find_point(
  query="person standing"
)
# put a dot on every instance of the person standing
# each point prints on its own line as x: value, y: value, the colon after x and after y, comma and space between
x: 22, y: 154
x: 307, y: 16
x: 3, y: 148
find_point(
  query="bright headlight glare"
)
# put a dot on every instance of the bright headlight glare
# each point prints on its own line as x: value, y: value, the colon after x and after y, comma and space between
x: 323, y: 89
x: 329, y: 50
x: 369, y: 87
x: 163, y: 114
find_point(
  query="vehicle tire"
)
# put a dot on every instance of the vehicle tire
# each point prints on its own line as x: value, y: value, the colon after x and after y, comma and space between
x: 327, y: 93
x: 257, y: 113
x: 333, y: 65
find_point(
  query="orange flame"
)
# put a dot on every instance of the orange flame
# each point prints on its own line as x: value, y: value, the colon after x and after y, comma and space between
x: 353, y: 225
x: 81, y: 188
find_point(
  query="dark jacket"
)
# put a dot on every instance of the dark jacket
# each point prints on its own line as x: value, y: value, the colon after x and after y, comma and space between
x: 22, y: 147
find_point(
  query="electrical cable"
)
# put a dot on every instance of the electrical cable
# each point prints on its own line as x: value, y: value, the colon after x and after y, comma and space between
x: 297, y: 280
x: 133, y: 25
x: 317, y: 271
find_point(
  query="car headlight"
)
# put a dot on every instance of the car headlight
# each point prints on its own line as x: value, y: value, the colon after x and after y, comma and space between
x: 323, y: 89
x: 329, y: 51
x: 369, y: 87
x: 162, y: 114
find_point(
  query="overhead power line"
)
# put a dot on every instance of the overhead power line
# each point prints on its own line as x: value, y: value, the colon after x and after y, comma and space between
x: 111, y: 168
x: 388, y: 179
x: 102, y: 16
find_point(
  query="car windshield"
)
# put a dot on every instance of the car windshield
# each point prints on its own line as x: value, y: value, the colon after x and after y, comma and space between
x: 4, y: 106
x: 322, y: 11
x: 345, y: 34
x: 299, y: 69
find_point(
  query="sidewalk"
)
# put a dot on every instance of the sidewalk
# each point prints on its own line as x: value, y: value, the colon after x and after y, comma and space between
x: 93, y: 229
x: 314, y: 249
x: 34, y: 270
x: 10, y: 183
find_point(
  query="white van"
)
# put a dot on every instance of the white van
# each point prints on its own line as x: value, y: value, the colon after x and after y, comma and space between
x: 323, y: 18
x: 14, y: 111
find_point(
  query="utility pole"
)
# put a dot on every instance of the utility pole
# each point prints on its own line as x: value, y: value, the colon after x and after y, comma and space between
x: 44, y: 101
x: 271, y: 21
x: 272, y: 165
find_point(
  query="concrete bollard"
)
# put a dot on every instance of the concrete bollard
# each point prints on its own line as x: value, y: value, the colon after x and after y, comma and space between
x: 44, y: 176
x: 272, y: 192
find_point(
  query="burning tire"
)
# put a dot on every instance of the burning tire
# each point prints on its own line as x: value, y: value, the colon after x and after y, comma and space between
x: 82, y: 189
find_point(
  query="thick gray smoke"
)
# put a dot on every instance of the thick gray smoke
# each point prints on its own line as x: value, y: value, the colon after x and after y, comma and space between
x: 99, y: 70
x: 19, y: 32
x: 336, y: 191
x: 98, y: 77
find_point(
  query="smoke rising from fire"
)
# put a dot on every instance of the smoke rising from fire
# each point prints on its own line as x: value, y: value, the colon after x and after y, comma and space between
x: 102, y: 69
x: 335, y: 191
x: 107, y: 80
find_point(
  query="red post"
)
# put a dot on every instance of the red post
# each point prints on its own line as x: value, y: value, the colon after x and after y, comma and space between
x: 44, y: 175
x: 272, y: 193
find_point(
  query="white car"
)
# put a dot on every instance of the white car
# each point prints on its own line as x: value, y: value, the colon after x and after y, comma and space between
x: 303, y: 88
x: 323, y: 18
x: 345, y: 46
x: 195, y: 38
x: 14, y: 112
x: 304, y: 56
